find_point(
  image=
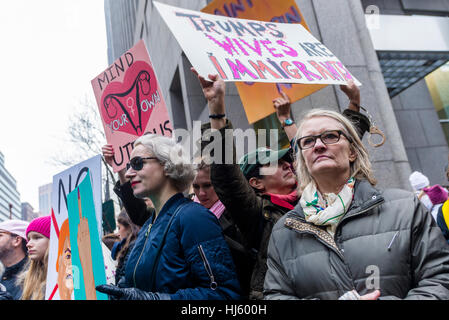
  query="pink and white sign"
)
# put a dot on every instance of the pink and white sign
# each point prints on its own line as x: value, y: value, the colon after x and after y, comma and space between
x: 130, y: 102
x: 251, y: 50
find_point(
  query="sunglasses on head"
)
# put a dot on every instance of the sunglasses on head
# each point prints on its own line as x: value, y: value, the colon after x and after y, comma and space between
x: 137, y: 163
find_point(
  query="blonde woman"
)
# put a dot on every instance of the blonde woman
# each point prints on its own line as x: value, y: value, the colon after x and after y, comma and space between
x: 346, y: 239
x: 34, y: 277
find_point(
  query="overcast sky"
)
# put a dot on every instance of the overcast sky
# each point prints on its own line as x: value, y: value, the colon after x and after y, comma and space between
x: 50, y: 50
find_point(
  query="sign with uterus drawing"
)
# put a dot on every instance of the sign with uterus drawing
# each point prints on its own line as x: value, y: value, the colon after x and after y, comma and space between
x: 130, y: 102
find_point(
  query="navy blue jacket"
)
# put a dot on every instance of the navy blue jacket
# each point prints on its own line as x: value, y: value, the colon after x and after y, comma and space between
x: 193, y: 258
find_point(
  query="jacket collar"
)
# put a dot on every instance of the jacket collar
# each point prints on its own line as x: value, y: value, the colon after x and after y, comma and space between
x: 171, y: 204
x: 365, y: 196
x: 14, y: 269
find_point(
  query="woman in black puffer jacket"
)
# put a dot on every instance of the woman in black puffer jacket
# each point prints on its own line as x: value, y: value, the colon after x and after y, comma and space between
x: 346, y: 239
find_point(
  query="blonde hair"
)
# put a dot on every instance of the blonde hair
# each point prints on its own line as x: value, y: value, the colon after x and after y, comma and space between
x: 34, y: 279
x: 173, y: 158
x: 360, y: 168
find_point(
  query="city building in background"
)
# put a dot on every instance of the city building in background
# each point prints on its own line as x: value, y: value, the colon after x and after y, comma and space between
x: 45, y: 199
x: 10, y: 207
x: 411, y: 41
x: 398, y: 49
x: 28, y: 213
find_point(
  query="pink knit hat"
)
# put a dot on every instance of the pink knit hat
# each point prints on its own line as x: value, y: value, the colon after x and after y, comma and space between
x: 41, y: 225
x: 437, y: 194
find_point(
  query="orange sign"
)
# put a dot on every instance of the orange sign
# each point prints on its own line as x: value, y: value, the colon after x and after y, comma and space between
x: 257, y: 98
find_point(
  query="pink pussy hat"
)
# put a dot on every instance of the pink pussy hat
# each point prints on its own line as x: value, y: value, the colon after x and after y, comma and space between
x: 437, y: 194
x: 41, y: 225
x: 15, y: 226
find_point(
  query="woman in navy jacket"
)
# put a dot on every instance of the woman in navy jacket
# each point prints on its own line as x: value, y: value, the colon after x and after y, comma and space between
x: 180, y: 252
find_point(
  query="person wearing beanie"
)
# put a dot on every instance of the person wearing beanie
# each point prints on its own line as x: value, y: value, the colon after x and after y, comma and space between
x: 33, y: 279
x: 418, y: 181
x: 13, y: 256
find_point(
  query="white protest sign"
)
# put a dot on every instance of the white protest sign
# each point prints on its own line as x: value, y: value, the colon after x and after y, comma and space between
x: 59, y: 252
x: 253, y: 51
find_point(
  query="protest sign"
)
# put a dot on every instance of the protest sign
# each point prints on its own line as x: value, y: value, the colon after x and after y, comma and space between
x: 130, y: 102
x: 85, y: 243
x: 254, y: 51
x: 257, y: 98
x: 60, y: 277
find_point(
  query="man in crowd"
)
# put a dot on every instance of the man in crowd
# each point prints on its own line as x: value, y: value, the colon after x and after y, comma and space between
x: 13, y: 254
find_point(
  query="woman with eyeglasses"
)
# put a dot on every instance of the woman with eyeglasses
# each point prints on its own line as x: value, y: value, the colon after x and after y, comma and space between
x: 346, y: 239
x: 180, y: 252
x: 255, y: 192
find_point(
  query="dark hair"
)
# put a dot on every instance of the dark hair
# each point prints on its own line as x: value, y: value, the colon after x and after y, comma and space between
x: 23, y: 242
x: 125, y: 221
x: 254, y: 173
x: 109, y: 239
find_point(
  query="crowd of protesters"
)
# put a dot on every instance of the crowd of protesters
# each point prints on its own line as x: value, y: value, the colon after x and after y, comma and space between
x: 305, y: 222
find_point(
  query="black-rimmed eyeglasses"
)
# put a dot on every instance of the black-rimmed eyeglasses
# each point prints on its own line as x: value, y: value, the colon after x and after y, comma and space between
x: 137, y: 163
x: 327, y: 137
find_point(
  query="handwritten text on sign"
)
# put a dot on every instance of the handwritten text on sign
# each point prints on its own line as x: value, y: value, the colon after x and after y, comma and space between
x: 256, y: 51
x: 130, y: 102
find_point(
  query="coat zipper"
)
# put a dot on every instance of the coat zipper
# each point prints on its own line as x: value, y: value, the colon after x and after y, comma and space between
x: 213, y: 284
x: 374, y: 205
x: 377, y: 203
x: 336, y: 250
x: 141, y: 253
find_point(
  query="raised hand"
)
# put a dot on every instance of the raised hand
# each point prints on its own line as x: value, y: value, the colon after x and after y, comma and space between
x: 214, y: 92
x: 108, y: 153
x: 353, y: 94
x: 283, y: 106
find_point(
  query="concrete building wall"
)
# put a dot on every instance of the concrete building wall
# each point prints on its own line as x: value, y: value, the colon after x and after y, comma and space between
x: 120, y: 16
x: 400, y: 7
x: 45, y: 199
x: 28, y: 213
x: 339, y: 24
x: 423, y: 135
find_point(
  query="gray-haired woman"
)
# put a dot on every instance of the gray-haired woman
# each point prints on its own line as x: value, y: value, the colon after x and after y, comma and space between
x: 180, y: 252
x: 347, y: 239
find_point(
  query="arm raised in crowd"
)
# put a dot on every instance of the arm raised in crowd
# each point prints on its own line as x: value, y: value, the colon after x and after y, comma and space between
x: 282, y: 105
x: 229, y: 182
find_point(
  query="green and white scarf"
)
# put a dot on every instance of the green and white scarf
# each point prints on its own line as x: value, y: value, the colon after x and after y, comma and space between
x: 327, y: 209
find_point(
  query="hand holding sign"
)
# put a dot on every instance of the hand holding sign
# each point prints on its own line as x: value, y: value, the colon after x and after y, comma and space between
x: 353, y: 94
x: 282, y: 106
x: 214, y: 92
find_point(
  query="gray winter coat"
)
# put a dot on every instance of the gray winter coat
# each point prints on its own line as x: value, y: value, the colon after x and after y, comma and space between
x: 387, y: 240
